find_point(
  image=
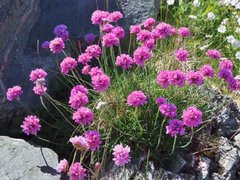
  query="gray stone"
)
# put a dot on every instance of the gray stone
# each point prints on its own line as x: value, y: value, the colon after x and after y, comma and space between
x: 136, y: 11
x: 237, y: 141
x: 21, y: 160
x: 176, y: 163
x: 203, y: 167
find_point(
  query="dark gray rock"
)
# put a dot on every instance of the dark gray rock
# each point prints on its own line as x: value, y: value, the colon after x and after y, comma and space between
x: 21, y: 160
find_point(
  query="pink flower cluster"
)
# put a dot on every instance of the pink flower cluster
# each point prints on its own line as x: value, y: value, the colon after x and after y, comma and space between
x: 184, y: 32
x: 14, y: 93
x: 89, y: 38
x: 181, y: 54
x: 83, y: 116
x: 77, y: 172
x: 141, y: 55
x: 61, y: 32
x: 31, y: 125
x: 137, y: 99
x: 195, y: 78
x: 67, y: 65
x: 175, y: 127
x: 78, y: 100
x: 207, y: 70
x: 121, y: 155
x: 56, y: 45
x: 168, y: 109
x: 192, y: 117
x: 125, y: 61
x: 62, y: 166
x: 214, y: 54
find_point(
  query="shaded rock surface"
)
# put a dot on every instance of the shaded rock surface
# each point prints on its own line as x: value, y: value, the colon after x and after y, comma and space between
x: 21, y: 160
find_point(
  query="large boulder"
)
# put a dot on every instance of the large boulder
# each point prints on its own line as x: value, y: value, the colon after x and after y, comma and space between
x: 21, y: 160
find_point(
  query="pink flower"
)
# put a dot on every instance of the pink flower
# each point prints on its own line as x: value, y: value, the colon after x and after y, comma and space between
x: 101, y: 82
x: 67, y: 65
x: 181, y: 54
x: 78, y: 100
x: 61, y: 32
x: 98, y: 17
x: 177, y: 78
x: 86, y: 69
x: 184, y: 32
x: 125, y: 61
x: 31, y: 125
x: 79, y: 88
x: 207, y: 70
x: 162, y: 31
x: 226, y: 64
x: 96, y: 71
x: 45, y: 45
x: 107, y: 28
x: 121, y: 155
x: 195, y: 78
x: 62, y: 166
x: 115, y: 16
x: 14, y: 93
x: 89, y: 38
x: 175, y: 127
x: 149, y: 23
x: 56, y: 45
x: 213, y: 53
x: 169, y: 110
x: 119, y: 32
x: 110, y: 40
x: 134, y: 29
x: 39, y: 90
x: 163, y: 78
x: 150, y: 44
x: 137, y: 99
x: 84, y: 58
x: 173, y: 31
x: 77, y: 172
x: 160, y: 101
x: 83, y: 116
x: 37, y: 74
x: 225, y: 74
x: 79, y: 142
x: 232, y: 84
x: 94, y: 139
x: 192, y: 117
x: 141, y: 54
x: 144, y: 35
x: 94, y: 51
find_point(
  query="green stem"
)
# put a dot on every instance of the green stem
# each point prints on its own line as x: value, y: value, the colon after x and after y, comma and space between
x: 161, y: 128
x: 174, y: 144
x: 190, y: 140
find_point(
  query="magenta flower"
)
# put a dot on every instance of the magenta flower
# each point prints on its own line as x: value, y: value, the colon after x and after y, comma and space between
x: 98, y: 17
x: 79, y: 142
x: 45, y: 45
x: 163, y: 78
x: 86, y: 69
x: 150, y: 44
x: 107, y: 28
x: 37, y: 74
x: 169, y: 110
x: 144, y: 35
x: 39, y: 89
x: 79, y: 88
x: 110, y: 40
x: 226, y: 64
x: 62, y: 166
x: 67, y: 65
x: 207, y: 70
x: 121, y: 155
x: 184, y: 32
x: 61, y: 32
x: 96, y: 71
x: 225, y: 74
x: 134, y: 29
x: 83, y: 116
x: 90, y: 38
x: 213, y: 53
x: 94, y: 139
x: 162, y: 31
x: 173, y: 31
x: 181, y: 54
x: 101, y: 82
x: 14, y: 93
x: 192, y: 117
x: 56, y: 45
x: 232, y: 84
x: 31, y: 125
x: 78, y: 100
x: 195, y: 78
x: 94, y: 51
x: 119, y: 32
x: 149, y: 23
x: 137, y: 99
x: 161, y: 100
x: 141, y: 54
x: 77, y: 172
x: 125, y: 61
x: 175, y: 127
x: 115, y: 16
x: 177, y: 78
x: 84, y: 58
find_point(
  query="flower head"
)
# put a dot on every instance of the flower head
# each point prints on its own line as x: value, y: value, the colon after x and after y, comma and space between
x: 181, y: 54
x: 160, y: 101
x: 78, y: 100
x: 89, y: 38
x: 119, y: 32
x: 98, y: 17
x: 94, y: 139
x: 83, y: 116
x: 226, y: 64
x: 79, y: 88
x: 184, y: 32
x: 134, y: 29
x: 45, y: 45
x: 121, y: 155
x: 175, y: 127
x: 79, y: 142
x: 115, y: 16
x: 149, y: 23
x: 96, y: 71
x: 125, y: 61
x: 162, y: 31
x: 31, y: 125
x: 94, y: 51
x: 225, y: 74
x: 84, y: 58
x: 213, y: 53
x: 207, y: 70
x: 110, y: 40
x: 56, y: 45
x: 77, y: 172
x: 107, y: 28
x: 195, y: 78
x: 137, y: 99
x: 163, y: 78
x: 177, y: 78
x: 37, y: 74
x: 86, y: 69
x: 192, y: 116
x: 14, y: 93
x: 141, y: 54
x: 144, y: 35
x: 61, y: 32
x: 101, y: 82
x: 169, y: 110
x: 62, y: 166
x: 39, y: 89
x: 67, y: 65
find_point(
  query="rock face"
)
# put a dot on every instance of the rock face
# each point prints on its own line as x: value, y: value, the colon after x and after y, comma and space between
x: 21, y: 160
